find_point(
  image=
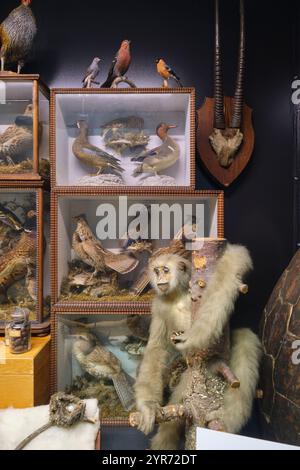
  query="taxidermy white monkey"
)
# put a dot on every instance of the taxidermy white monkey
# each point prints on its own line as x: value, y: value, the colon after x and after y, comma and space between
x: 171, y: 311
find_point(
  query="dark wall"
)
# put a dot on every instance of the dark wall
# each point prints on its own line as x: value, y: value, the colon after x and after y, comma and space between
x: 259, y: 205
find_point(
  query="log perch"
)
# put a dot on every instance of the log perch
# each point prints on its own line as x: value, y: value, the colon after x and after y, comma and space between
x: 165, y: 414
x: 119, y: 80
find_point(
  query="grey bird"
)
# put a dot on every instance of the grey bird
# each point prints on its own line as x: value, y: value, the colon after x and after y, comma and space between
x: 91, y: 74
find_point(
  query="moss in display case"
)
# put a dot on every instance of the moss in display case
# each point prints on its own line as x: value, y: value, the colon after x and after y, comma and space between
x: 137, y: 137
x: 97, y: 356
x: 96, y: 266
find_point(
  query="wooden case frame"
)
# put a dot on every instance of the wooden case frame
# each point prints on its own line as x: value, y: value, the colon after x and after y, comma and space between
x: 98, y: 307
x: 37, y: 86
x: 39, y: 326
x: 122, y: 91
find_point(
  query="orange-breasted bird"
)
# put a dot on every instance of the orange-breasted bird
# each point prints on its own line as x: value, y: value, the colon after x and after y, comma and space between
x: 166, y: 73
x: 120, y: 64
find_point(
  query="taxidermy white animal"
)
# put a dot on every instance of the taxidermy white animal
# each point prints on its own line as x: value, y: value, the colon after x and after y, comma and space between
x: 171, y: 311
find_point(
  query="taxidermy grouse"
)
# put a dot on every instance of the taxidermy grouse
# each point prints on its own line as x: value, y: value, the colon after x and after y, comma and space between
x: 17, y: 33
x: 14, y: 263
x: 89, y: 250
x: 100, y: 363
x: 16, y: 142
x: 91, y: 155
x: 160, y: 158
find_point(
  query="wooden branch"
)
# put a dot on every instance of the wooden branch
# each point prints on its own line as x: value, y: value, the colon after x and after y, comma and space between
x: 228, y: 375
x: 119, y: 80
x: 165, y: 414
x: 243, y: 288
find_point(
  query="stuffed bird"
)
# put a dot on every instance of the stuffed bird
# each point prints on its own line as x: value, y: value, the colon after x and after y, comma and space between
x: 119, y: 65
x: 160, y: 158
x: 91, y: 155
x: 91, y: 73
x: 89, y: 250
x: 16, y: 142
x: 166, y: 72
x: 100, y: 363
x: 17, y: 33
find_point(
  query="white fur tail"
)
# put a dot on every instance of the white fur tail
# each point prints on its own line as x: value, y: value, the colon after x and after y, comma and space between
x: 244, y: 362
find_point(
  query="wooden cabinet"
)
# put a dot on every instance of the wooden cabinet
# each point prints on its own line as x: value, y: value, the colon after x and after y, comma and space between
x: 24, y: 378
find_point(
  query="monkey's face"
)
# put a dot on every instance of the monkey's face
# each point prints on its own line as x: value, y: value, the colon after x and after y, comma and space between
x: 163, y: 278
x: 169, y: 273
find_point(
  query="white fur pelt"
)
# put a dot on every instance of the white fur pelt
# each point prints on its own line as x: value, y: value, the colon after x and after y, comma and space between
x: 218, y: 299
x: 245, y: 357
x: 17, y: 424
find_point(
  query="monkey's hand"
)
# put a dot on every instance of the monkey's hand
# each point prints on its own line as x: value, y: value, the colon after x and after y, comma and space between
x: 147, y: 420
x: 185, y: 341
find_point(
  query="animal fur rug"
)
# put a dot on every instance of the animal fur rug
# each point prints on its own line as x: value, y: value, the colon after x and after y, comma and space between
x: 17, y: 424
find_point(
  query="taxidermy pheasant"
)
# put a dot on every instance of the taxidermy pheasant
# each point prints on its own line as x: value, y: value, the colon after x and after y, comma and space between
x: 16, y: 142
x: 100, y: 363
x: 17, y: 33
x: 89, y: 250
x: 91, y: 155
x: 159, y: 158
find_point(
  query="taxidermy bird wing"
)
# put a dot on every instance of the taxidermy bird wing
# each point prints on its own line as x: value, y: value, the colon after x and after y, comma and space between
x: 7, y: 134
x: 94, y: 252
x: 141, y: 283
x: 173, y: 74
x: 149, y: 153
x: 10, y: 219
x: 111, y: 74
x: 103, y: 363
x: 89, y: 148
x: 122, y: 263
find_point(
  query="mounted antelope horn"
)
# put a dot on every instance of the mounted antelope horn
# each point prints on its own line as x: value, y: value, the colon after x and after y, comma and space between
x: 219, y: 119
x: 236, y: 119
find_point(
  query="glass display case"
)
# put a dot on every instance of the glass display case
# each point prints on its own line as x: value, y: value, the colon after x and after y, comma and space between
x: 24, y: 128
x: 24, y: 241
x: 123, y: 137
x: 101, y: 244
x: 97, y: 356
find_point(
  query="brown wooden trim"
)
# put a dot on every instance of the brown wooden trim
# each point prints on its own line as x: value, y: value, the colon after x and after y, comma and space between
x: 35, y: 101
x: 40, y: 248
x: 22, y: 184
x: 99, y: 91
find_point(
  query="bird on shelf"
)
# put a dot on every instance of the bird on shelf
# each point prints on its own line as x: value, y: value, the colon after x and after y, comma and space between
x: 14, y: 263
x: 92, y: 73
x: 166, y: 73
x: 120, y: 64
x: 89, y: 250
x: 16, y: 142
x: 10, y: 219
x: 100, y: 363
x: 17, y: 33
x: 91, y: 155
x: 160, y: 158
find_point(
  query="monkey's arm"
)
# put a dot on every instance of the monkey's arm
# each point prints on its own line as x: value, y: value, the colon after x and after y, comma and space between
x: 218, y: 302
x: 149, y: 384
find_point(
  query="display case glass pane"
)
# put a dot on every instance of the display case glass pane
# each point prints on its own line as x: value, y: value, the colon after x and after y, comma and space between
x: 16, y: 127
x: 98, y: 356
x: 124, y: 139
x: 104, y: 243
x: 44, y: 163
x: 18, y: 252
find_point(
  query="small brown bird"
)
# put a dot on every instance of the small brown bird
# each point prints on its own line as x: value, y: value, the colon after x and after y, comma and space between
x: 91, y: 73
x: 91, y: 155
x: 17, y: 33
x: 89, y: 250
x: 120, y: 64
x: 159, y: 158
x: 16, y: 142
x: 100, y: 363
x: 166, y: 73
